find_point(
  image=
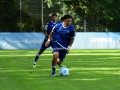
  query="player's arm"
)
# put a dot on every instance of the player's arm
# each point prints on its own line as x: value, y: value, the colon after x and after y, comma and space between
x: 50, y: 37
x: 71, y: 41
x: 45, y: 32
x: 45, y: 29
x: 70, y: 44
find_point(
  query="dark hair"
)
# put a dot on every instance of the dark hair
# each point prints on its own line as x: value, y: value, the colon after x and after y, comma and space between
x: 66, y: 17
x: 54, y: 14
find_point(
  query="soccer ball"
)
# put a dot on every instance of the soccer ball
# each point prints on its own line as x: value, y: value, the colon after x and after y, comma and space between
x: 64, y: 71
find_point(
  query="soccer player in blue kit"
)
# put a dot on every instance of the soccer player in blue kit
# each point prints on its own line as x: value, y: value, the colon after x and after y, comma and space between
x: 63, y: 37
x: 47, y: 29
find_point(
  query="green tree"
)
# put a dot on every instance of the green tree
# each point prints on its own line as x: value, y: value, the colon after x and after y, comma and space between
x: 61, y: 9
x: 8, y: 16
x: 31, y: 16
x: 101, y: 15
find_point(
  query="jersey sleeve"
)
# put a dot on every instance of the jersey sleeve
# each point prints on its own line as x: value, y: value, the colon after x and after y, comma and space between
x: 46, y: 26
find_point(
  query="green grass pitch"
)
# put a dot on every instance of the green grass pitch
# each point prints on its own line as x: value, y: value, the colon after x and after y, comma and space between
x: 89, y: 70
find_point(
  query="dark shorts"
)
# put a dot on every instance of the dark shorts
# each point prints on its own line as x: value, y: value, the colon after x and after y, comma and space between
x: 43, y: 47
x: 58, y: 48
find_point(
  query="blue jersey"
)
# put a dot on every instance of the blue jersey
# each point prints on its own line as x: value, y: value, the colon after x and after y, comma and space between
x: 62, y: 35
x: 49, y: 26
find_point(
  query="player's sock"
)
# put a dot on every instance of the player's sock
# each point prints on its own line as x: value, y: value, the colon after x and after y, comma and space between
x: 36, y: 58
x: 53, y: 70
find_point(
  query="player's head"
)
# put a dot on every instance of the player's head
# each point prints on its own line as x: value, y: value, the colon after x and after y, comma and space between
x: 67, y: 19
x: 54, y: 17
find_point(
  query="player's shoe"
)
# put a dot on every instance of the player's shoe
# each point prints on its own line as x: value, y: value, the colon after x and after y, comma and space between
x: 34, y: 65
x: 53, y: 73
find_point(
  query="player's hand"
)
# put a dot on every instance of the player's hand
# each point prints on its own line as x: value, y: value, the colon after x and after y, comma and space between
x: 51, y: 39
x: 68, y: 49
x: 47, y: 43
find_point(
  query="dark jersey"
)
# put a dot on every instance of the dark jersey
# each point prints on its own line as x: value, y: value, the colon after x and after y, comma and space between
x: 49, y: 26
x: 63, y: 34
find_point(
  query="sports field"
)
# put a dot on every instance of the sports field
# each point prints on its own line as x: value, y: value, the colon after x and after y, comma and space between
x: 89, y: 70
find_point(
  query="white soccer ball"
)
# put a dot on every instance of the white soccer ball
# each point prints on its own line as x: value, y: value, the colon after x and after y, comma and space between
x: 64, y: 71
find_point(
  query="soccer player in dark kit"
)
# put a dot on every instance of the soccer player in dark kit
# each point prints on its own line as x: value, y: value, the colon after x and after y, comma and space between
x: 63, y: 37
x: 47, y: 29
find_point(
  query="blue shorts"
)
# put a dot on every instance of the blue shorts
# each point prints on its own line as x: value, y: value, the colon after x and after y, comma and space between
x: 43, y: 47
x: 58, y: 48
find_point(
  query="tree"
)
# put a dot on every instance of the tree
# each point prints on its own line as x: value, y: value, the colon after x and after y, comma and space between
x: 8, y: 16
x: 61, y: 9
x: 99, y: 14
x: 31, y: 16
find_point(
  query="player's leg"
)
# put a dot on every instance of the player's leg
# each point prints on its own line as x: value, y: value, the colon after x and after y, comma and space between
x: 37, y: 57
x: 62, y: 55
x: 58, y: 57
x: 54, y: 62
x: 42, y: 49
x: 55, y: 57
x: 59, y: 62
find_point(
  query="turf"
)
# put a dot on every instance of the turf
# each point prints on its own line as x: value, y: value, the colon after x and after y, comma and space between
x: 89, y: 70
